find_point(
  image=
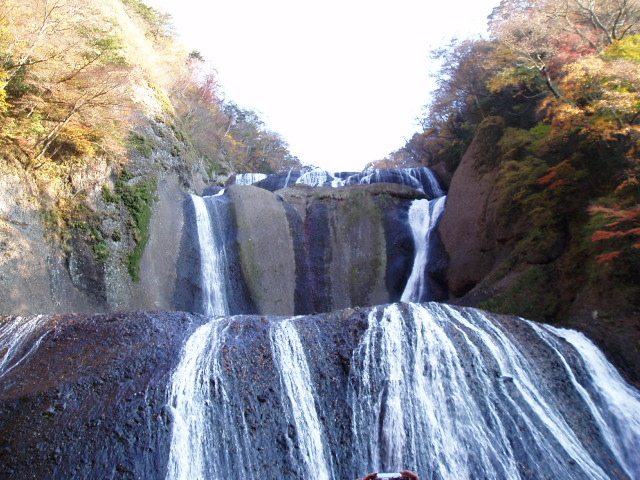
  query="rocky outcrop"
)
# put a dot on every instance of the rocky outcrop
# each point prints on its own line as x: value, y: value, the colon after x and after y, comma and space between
x: 483, y: 267
x: 266, y: 249
x: 465, y: 227
x: 329, y: 248
x: 34, y: 273
x: 40, y: 273
x: 90, y: 402
x: 305, y: 250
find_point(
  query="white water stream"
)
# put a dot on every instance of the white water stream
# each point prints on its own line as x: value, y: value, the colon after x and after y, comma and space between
x: 19, y: 338
x: 300, y: 398
x: 424, y: 216
x: 213, y: 257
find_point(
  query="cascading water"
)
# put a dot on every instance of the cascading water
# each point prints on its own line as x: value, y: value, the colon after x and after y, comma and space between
x: 300, y: 398
x: 451, y: 393
x: 319, y: 178
x: 208, y: 441
x: 19, y: 337
x: 249, y: 178
x: 424, y: 216
x: 288, y: 178
x: 419, y: 178
x: 454, y: 395
x: 620, y: 421
x: 213, y: 256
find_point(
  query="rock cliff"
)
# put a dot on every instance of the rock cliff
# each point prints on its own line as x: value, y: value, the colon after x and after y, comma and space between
x: 492, y: 264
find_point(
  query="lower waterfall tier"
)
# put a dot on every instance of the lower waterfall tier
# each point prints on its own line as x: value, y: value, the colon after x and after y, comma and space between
x: 449, y: 392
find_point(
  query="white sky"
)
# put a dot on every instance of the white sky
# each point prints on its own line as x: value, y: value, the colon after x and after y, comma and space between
x: 342, y: 81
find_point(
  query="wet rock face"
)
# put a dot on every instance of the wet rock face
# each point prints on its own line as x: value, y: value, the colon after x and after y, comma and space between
x: 325, y: 396
x: 332, y: 248
x: 90, y: 402
x: 266, y: 249
x: 305, y: 250
x: 465, y: 226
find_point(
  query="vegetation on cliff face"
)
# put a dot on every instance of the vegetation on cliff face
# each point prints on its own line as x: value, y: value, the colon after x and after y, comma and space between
x: 89, y: 89
x: 552, y: 101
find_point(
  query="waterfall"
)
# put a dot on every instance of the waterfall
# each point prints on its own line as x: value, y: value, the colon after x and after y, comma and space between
x: 419, y: 178
x: 451, y: 393
x: 424, y: 216
x: 320, y: 178
x: 300, y: 398
x: 213, y: 256
x: 286, y: 180
x: 208, y: 441
x: 614, y: 405
x: 454, y: 395
x: 249, y: 178
x: 19, y: 338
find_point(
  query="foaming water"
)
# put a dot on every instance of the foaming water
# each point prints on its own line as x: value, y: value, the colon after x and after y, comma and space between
x: 213, y: 256
x: 208, y: 441
x: 19, y: 338
x: 300, y: 398
x: 424, y: 216
x: 451, y: 393
x: 249, y: 178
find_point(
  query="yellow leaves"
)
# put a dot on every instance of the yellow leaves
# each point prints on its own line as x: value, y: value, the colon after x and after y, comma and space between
x: 512, y: 75
x: 626, y: 49
x: 602, y: 97
x: 79, y: 140
x: 4, y: 106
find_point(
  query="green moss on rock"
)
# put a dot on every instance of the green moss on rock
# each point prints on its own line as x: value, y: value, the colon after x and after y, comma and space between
x: 138, y: 199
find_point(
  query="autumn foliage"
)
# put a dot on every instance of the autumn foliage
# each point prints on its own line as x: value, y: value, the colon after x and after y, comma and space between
x: 70, y: 75
x: 552, y: 103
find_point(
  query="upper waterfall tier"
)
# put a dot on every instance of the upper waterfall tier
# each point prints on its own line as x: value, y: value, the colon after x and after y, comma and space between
x: 451, y: 393
x: 306, y: 250
x: 421, y: 179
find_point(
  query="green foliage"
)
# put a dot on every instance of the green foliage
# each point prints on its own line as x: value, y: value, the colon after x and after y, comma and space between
x: 4, y: 105
x: 138, y: 198
x: 162, y: 98
x: 488, y: 135
x: 517, y: 181
x: 140, y: 144
x: 626, y: 49
x: 18, y: 85
x: 67, y: 220
x: 531, y: 296
x: 108, y: 49
x: 196, y: 55
x: 214, y: 168
x: 108, y: 196
x: 515, y: 75
x: 158, y: 23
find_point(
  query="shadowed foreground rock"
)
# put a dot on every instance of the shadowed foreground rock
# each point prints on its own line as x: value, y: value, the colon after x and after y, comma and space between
x: 89, y: 402
x: 423, y: 386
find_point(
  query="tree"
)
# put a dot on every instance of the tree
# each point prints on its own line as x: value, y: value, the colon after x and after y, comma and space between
x: 545, y: 35
x: 60, y: 79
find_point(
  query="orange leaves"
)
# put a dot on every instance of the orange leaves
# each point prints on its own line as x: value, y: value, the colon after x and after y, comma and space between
x: 608, y: 257
x: 563, y: 174
x: 601, y: 97
x: 618, y: 215
x: 626, y: 223
x: 606, y: 235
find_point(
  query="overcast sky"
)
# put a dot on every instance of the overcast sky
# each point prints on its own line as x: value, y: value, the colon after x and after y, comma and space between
x: 343, y: 81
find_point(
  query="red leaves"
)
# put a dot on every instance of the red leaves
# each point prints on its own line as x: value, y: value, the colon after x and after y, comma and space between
x: 559, y: 175
x: 621, y: 217
x: 606, y: 235
x: 608, y: 257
